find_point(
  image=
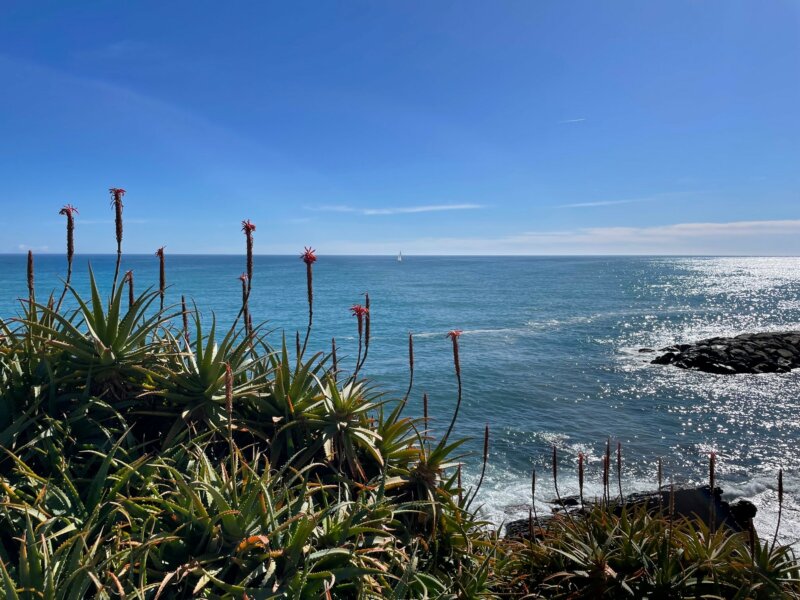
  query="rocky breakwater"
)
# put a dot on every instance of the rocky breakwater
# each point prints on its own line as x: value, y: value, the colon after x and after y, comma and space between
x: 771, y: 352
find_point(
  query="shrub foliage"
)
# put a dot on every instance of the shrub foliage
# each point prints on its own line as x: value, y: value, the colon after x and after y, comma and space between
x: 146, y: 453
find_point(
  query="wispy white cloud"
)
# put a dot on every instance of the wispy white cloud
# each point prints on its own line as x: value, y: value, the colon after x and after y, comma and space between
x: 402, y: 210
x: 664, y: 196
x: 580, y: 120
x: 776, y: 237
x: 602, y: 203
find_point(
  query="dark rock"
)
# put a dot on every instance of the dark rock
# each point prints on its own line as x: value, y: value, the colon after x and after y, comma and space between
x: 676, y: 348
x: 665, y: 359
x: 743, y: 512
x: 521, y: 528
x: 766, y: 352
x: 688, y: 502
x: 646, y: 350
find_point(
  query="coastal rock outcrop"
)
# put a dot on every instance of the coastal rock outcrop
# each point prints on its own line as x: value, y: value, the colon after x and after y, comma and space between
x: 769, y: 352
x: 688, y: 503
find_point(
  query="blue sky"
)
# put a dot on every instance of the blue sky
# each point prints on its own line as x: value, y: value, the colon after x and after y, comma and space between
x: 433, y: 127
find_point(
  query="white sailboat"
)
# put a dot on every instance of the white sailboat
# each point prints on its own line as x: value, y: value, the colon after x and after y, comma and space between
x: 400, y: 256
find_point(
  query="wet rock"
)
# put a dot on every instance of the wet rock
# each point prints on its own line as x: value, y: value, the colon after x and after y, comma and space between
x: 768, y: 352
x: 665, y: 359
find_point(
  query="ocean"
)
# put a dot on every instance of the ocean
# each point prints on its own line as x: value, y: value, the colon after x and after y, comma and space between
x: 549, y: 355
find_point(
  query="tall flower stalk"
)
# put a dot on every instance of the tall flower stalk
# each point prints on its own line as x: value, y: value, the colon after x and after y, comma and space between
x: 606, y: 469
x: 410, y: 367
x: 116, y: 202
x: 555, y: 484
x: 367, y: 321
x: 533, y: 499
x: 248, y: 228
x: 780, y: 510
x: 712, y: 477
x: 68, y: 211
x: 245, y: 307
x: 619, y: 471
x: 580, y: 477
x: 30, y: 274
x: 131, y: 297
x: 185, y: 319
x: 454, y: 335
x: 335, y: 366
x: 359, y: 312
x: 483, y: 466
x: 162, y: 275
x: 555, y: 475
x: 229, y: 411
x: 309, y: 257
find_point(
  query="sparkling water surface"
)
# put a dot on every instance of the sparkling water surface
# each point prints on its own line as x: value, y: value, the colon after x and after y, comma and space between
x: 549, y: 355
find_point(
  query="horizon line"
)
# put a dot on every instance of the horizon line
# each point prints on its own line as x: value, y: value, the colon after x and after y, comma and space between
x: 621, y: 255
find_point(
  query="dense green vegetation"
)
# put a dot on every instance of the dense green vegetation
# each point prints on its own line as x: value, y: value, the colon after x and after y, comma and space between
x: 148, y: 454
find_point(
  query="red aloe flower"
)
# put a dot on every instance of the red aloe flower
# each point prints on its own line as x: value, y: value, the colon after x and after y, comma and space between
x: 309, y: 255
x: 248, y: 227
x: 454, y: 334
x: 359, y: 311
x: 68, y: 210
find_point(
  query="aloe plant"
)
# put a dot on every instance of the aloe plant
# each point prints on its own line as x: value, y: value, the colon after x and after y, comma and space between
x: 103, y: 347
x: 190, y: 379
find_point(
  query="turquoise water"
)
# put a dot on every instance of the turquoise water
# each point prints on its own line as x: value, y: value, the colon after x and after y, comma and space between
x: 549, y: 354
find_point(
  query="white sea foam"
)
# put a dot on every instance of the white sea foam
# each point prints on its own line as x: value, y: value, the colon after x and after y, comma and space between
x: 506, y: 496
